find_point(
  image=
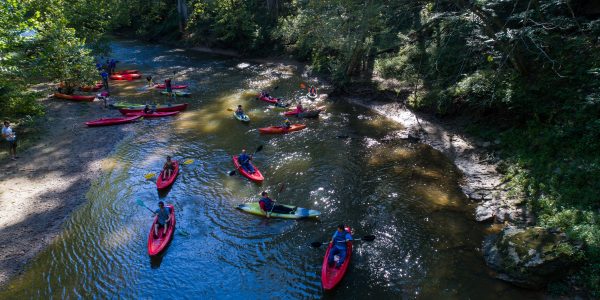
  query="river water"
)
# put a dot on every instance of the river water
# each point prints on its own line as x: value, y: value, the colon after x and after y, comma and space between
x: 349, y: 164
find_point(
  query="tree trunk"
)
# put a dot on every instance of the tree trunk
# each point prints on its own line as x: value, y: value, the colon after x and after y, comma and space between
x: 182, y: 10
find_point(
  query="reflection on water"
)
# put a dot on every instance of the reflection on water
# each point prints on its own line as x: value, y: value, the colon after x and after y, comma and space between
x: 347, y: 164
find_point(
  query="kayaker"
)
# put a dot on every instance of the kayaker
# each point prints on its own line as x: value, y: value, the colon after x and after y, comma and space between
x: 168, y: 168
x: 11, y: 137
x: 168, y: 85
x: 339, y: 240
x: 299, y: 108
x: 287, y: 124
x: 150, y: 82
x: 265, y: 94
x: 312, y: 91
x: 269, y: 206
x: 112, y: 65
x: 104, y: 75
x: 244, y: 160
x: 148, y: 110
x: 164, y: 216
x: 239, y: 111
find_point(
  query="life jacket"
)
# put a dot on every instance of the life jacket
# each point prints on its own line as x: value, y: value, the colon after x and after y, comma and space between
x: 266, y: 203
x: 339, y: 240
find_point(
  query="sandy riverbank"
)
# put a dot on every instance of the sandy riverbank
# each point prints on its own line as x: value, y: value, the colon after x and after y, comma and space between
x: 39, y: 191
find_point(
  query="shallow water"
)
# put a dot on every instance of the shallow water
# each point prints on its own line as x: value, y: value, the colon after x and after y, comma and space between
x: 406, y: 194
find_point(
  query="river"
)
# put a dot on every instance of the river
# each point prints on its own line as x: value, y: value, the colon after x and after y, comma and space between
x: 349, y: 164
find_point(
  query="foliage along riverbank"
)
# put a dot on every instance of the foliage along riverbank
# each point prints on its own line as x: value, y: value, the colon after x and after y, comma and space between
x: 525, y: 73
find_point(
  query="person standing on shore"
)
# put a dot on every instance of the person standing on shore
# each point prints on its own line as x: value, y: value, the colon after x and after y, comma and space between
x: 104, y: 75
x: 11, y: 137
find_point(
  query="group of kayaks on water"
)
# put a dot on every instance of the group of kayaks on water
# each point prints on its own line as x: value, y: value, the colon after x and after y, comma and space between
x: 339, y: 251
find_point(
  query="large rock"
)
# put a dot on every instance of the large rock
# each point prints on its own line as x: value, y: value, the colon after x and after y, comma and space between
x: 531, y: 257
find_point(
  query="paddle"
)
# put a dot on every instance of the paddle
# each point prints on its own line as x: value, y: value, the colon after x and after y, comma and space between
x: 366, y: 238
x: 141, y: 203
x: 279, y: 192
x: 151, y: 175
x: 258, y: 149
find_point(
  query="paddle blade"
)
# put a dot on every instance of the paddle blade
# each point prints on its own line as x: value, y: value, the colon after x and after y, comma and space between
x: 368, y: 238
x: 188, y: 161
x: 259, y: 149
x: 149, y: 175
x: 229, y: 109
x: 232, y: 173
x: 140, y: 202
x: 316, y: 244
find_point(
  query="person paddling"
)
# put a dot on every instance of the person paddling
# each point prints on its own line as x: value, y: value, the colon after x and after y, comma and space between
x: 148, y: 110
x: 299, y: 108
x: 339, y: 240
x: 168, y: 169
x: 312, y: 91
x: 244, y: 160
x: 268, y: 206
x: 287, y: 124
x: 164, y: 216
x: 239, y: 111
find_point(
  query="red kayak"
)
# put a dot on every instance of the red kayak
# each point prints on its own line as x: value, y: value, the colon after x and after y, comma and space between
x: 158, y: 244
x: 256, y: 176
x: 152, y: 115
x: 162, y: 86
x: 281, y: 129
x: 269, y: 99
x: 163, y: 184
x: 164, y: 108
x: 331, y: 276
x: 126, y: 72
x: 112, y: 121
x: 295, y: 111
x: 125, y: 76
x: 90, y: 88
x: 75, y: 97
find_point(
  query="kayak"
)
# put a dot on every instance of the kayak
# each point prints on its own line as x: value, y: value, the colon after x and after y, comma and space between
x: 152, y: 115
x: 270, y: 99
x: 124, y: 72
x: 89, y: 88
x: 295, y: 112
x: 177, y: 93
x: 80, y: 98
x: 298, y: 212
x: 243, y: 118
x: 158, y: 244
x: 331, y: 276
x: 281, y: 129
x: 159, y: 108
x: 311, y: 96
x: 112, y: 121
x: 162, y: 86
x: 125, y: 76
x: 256, y: 176
x: 163, y: 184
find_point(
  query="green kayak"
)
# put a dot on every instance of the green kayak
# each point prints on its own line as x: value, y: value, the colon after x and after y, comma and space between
x: 296, y: 213
x: 243, y: 118
x: 177, y: 93
x: 127, y: 105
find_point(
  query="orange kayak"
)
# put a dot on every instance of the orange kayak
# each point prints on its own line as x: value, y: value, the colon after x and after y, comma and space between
x: 281, y: 129
x: 75, y: 97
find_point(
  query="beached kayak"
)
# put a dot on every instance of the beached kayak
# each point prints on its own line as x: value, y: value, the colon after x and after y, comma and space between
x: 297, y: 212
x: 159, y: 243
x: 91, y: 88
x: 124, y: 72
x: 164, y: 184
x: 125, y: 76
x: 162, y: 86
x: 152, y: 115
x: 331, y: 276
x: 159, y: 108
x: 112, y: 121
x: 256, y: 176
x: 296, y: 112
x: 281, y: 129
x: 75, y: 97
x: 177, y: 93
x: 243, y: 118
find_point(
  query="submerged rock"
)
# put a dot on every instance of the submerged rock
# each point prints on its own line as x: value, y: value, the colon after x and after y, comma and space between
x: 531, y: 257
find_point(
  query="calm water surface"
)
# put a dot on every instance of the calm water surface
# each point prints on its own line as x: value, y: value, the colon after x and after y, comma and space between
x: 405, y: 194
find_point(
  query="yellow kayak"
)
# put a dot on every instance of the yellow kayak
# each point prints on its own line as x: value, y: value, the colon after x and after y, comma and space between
x: 296, y: 213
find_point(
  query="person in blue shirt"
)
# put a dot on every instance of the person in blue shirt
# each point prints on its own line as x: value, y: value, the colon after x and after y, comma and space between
x: 339, y: 240
x: 268, y: 206
x: 112, y: 65
x: 244, y: 160
x: 164, y: 216
x: 105, y: 80
x: 239, y: 111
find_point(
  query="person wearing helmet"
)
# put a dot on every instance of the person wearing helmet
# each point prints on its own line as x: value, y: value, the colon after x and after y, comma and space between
x: 164, y: 216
